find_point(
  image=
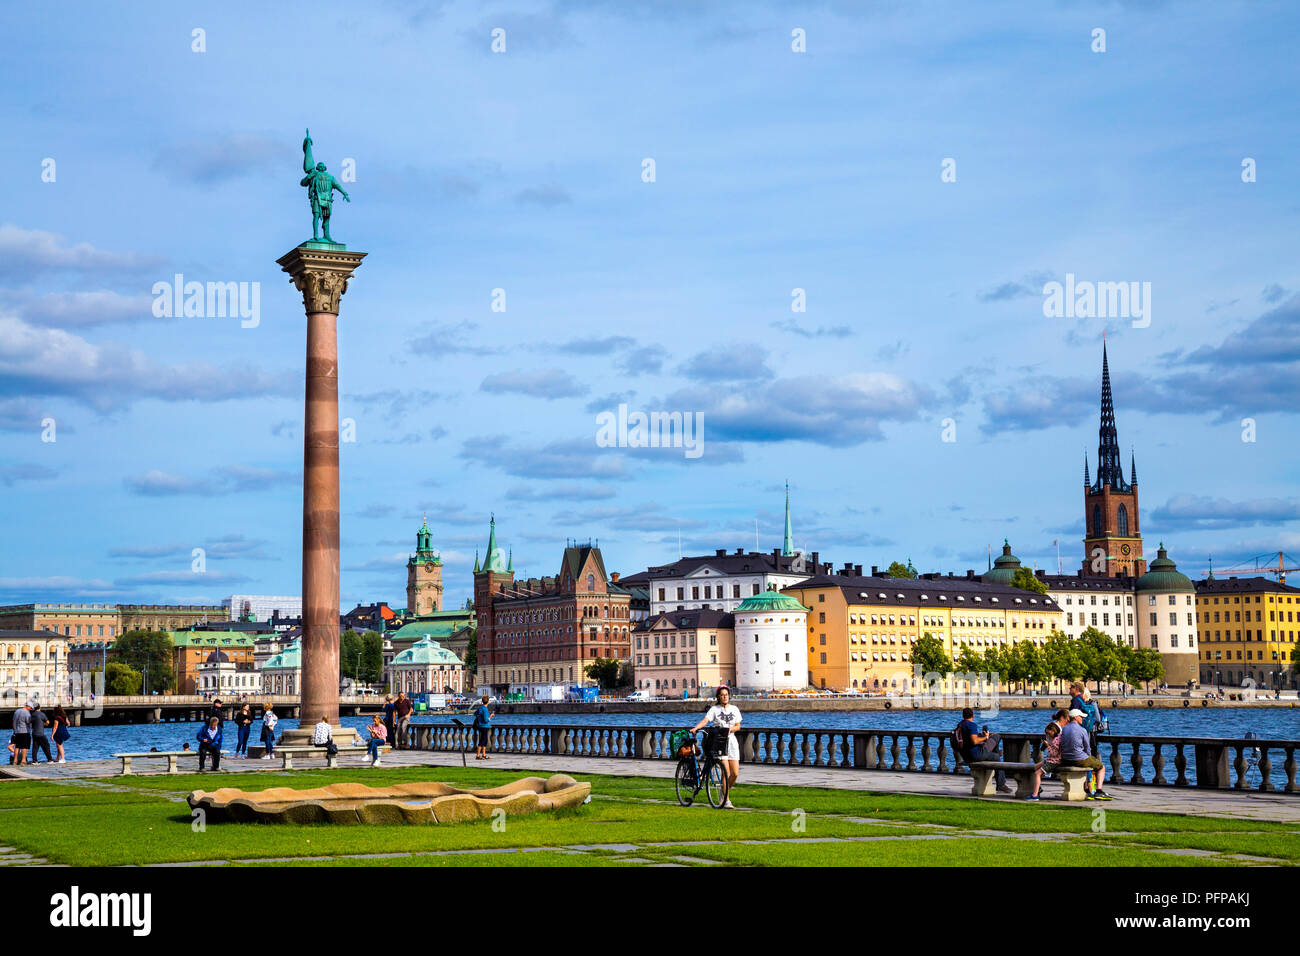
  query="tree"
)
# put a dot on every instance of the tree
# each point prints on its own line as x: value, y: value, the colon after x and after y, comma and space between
x: 121, y: 680
x: 350, y: 652
x: 1100, y: 656
x: 970, y: 661
x: 471, y: 650
x: 1033, y: 664
x: 603, y: 670
x: 929, y: 656
x: 1026, y: 581
x: 372, y: 657
x: 997, y: 662
x: 1144, y: 666
x: 143, y: 650
x: 1061, y: 657
x: 900, y: 570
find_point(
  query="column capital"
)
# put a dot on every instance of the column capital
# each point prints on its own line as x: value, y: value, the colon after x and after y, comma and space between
x: 320, y: 275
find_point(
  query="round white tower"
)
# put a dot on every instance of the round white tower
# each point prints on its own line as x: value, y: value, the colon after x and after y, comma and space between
x: 771, y: 653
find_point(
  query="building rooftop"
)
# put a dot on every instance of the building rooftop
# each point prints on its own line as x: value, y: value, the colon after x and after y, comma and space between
x: 930, y: 592
x: 690, y: 620
x: 1239, y: 585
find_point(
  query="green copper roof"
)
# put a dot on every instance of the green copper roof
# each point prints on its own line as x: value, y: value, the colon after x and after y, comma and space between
x: 426, y: 651
x: 1163, y: 575
x: 288, y: 659
x: 438, y: 624
x: 769, y: 600
x: 495, y: 559
x: 1004, y: 568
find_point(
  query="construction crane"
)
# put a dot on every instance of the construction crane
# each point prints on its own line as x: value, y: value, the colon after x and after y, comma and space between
x: 1280, y: 568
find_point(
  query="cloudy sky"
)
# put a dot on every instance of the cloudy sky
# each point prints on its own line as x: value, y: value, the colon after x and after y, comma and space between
x: 128, y: 157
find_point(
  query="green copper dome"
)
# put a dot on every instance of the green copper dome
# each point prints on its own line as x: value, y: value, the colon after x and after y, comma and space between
x: 769, y: 600
x: 1163, y: 575
x: 1004, y: 568
x: 426, y: 651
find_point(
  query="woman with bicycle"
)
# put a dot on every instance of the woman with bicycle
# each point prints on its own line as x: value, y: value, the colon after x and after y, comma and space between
x: 725, y: 717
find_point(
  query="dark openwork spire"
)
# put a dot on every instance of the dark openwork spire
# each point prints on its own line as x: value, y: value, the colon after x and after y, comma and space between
x: 1132, y: 469
x: 1109, y: 470
x: 1087, y: 481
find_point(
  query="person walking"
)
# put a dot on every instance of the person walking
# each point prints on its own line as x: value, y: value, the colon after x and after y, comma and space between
x: 724, y: 717
x: 59, y: 720
x: 269, y: 720
x: 482, y: 727
x: 244, y: 724
x: 378, y: 736
x: 210, y: 743
x: 39, y: 740
x: 22, y: 733
x: 402, y: 711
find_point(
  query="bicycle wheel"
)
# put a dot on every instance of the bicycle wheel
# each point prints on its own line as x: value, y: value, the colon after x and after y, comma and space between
x: 684, y: 780
x: 713, y: 783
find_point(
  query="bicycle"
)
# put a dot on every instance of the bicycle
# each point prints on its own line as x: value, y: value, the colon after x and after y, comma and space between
x: 692, y: 776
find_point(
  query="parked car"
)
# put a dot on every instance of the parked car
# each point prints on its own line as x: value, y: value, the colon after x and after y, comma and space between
x: 637, y: 695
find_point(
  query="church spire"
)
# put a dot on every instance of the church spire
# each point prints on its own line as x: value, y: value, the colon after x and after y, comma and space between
x: 787, y: 547
x: 1109, y: 470
x: 492, y: 561
x: 1087, y: 481
x: 1132, y: 468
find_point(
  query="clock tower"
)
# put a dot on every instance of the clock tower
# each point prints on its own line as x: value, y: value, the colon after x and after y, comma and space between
x: 1112, y: 542
x: 424, y: 575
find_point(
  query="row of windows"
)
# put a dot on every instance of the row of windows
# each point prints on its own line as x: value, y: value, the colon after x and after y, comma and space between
x: 1104, y: 600
x: 1280, y: 598
x: 1272, y: 616
x: 1257, y: 655
x: 1105, y: 619
x: 1250, y: 636
x: 710, y: 591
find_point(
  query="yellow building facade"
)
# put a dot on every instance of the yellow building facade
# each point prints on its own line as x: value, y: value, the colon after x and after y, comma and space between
x: 862, y: 631
x: 1247, y: 629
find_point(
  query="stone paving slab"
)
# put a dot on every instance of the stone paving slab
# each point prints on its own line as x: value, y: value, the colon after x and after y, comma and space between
x: 1246, y: 805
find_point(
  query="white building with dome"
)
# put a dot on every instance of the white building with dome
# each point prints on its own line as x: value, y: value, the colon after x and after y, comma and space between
x: 426, y: 667
x: 282, y: 672
x: 771, y: 653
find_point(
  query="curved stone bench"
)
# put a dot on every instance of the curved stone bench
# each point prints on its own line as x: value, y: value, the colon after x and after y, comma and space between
x: 410, y: 803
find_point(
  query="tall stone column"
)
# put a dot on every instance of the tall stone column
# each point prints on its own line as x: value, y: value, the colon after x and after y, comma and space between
x: 320, y: 271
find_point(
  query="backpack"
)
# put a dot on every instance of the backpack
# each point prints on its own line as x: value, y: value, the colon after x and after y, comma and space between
x: 958, y: 742
x: 1095, y: 722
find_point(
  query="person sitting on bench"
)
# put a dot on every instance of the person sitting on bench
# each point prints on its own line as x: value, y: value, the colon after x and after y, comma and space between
x: 323, y: 736
x: 210, y: 743
x: 1075, y: 753
x: 978, y: 747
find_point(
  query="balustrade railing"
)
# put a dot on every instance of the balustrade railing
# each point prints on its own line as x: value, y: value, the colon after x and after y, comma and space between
x: 1208, y: 762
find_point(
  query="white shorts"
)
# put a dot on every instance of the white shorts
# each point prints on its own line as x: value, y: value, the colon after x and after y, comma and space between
x: 733, y: 749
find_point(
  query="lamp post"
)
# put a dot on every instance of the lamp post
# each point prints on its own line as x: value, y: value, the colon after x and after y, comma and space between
x: 772, y: 665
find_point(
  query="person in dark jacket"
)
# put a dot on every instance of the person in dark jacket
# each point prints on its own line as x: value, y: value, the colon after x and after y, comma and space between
x: 40, y: 742
x: 210, y: 743
x: 244, y: 722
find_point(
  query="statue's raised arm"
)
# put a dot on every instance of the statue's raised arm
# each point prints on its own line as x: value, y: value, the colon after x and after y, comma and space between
x: 308, y: 164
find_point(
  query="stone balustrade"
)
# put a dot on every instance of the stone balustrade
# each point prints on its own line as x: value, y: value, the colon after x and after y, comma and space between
x: 1209, y: 762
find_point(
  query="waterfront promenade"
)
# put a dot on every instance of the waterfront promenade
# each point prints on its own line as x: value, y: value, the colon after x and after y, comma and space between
x: 1274, y: 807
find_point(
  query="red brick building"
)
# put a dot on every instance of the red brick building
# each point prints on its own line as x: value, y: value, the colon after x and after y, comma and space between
x: 545, y: 631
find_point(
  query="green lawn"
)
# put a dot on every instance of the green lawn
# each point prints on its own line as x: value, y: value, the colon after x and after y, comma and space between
x: 141, y: 820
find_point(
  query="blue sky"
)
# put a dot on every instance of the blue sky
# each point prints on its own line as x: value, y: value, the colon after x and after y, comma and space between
x: 521, y: 171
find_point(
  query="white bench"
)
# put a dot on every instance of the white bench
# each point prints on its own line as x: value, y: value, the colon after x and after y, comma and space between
x: 173, y: 758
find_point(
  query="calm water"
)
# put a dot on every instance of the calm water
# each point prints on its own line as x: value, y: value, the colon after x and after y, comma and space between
x: 98, y: 742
